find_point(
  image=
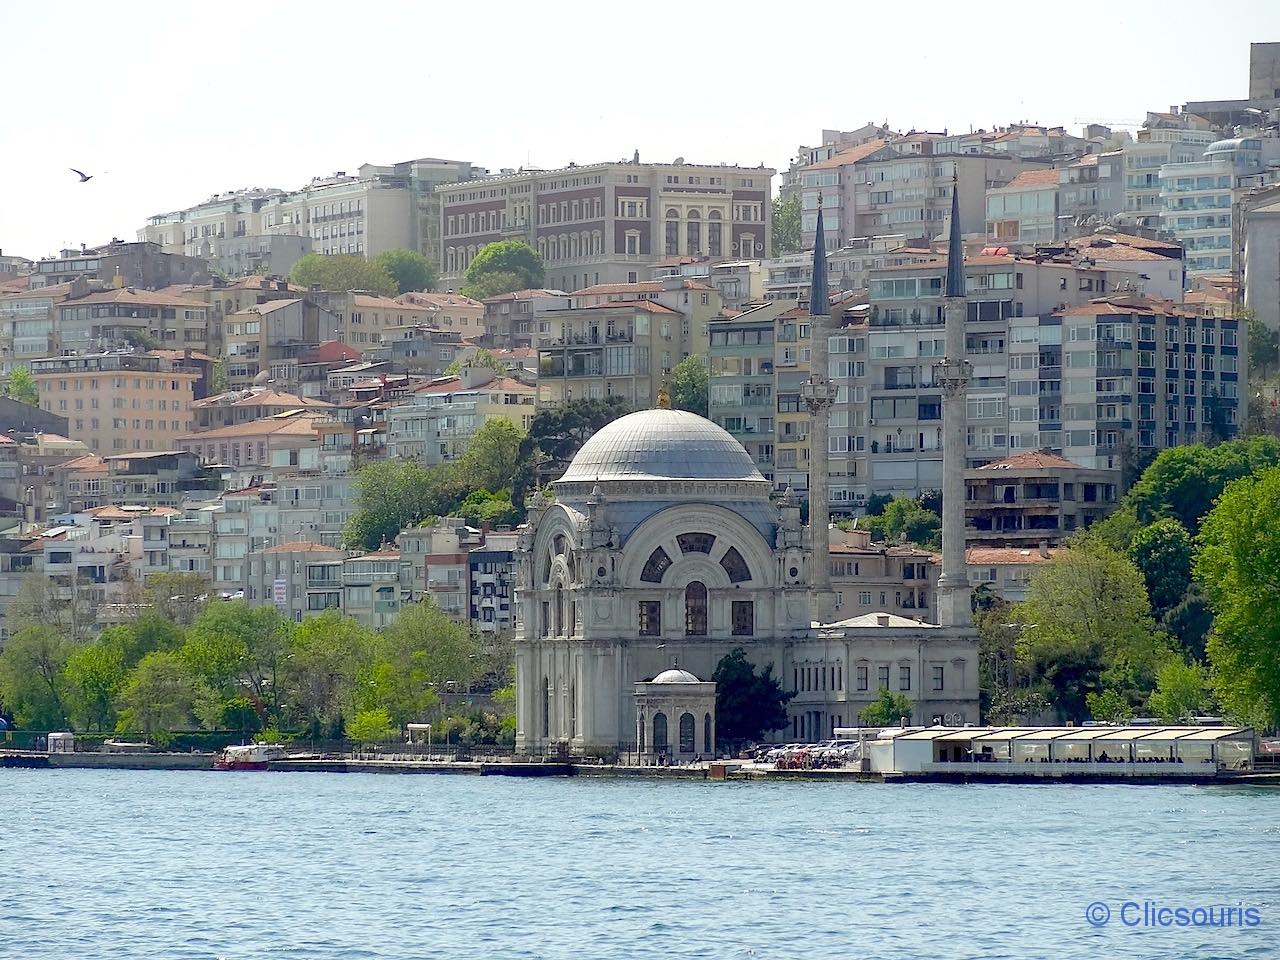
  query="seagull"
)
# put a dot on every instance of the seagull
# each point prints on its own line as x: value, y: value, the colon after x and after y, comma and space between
x: 84, y: 177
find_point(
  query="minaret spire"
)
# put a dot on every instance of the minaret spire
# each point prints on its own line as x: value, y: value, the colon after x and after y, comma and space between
x: 819, y: 394
x: 953, y: 376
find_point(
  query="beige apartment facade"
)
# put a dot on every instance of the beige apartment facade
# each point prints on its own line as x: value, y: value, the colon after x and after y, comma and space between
x: 118, y: 403
x: 609, y: 222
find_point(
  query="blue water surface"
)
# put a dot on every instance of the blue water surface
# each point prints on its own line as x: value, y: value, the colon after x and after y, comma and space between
x: 249, y: 866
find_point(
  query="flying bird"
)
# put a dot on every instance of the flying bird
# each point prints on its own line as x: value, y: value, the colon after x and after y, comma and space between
x: 84, y: 177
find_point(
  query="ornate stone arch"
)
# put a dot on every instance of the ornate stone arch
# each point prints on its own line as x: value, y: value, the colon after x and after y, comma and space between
x: 730, y: 530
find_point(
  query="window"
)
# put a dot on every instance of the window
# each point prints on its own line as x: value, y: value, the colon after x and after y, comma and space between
x: 937, y: 678
x: 735, y: 566
x: 882, y: 677
x: 695, y: 610
x: 744, y: 618
x: 862, y: 676
x: 650, y: 618
x: 660, y: 732
x: 546, y: 707
x: 687, y: 726
x: 904, y: 677
x: 656, y: 566
x: 696, y: 542
x: 706, y: 734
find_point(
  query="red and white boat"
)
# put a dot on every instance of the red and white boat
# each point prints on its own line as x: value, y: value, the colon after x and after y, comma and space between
x: 252, y: 756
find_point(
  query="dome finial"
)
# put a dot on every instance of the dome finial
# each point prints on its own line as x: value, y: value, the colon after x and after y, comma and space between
x: 664, y: 397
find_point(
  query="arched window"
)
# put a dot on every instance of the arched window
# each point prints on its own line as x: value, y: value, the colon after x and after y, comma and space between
x: 713, y: 233
x: 660, y: 733
x: 546, y: 707
x: 693, y: 230
x: 696, y: 542
x: 655, y: 567
x: 559, y: 611
x: 695, y: 610
x: 640, y: 745
x: 687, y: 744
x: 707, y: 748
x: 735, y: 566
x: 673, y: 233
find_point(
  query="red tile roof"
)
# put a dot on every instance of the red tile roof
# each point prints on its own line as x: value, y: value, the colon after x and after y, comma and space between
x: 851, y: 155
x: 300, y: 424
x: 643, y: 286
x: 998, y: 556
x: 134, y: 295
x: 1032, y: 460
x: 1033, y: 178
x: 650, y: 306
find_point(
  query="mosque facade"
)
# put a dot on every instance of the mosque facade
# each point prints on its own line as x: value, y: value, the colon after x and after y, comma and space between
x: 660, y: 551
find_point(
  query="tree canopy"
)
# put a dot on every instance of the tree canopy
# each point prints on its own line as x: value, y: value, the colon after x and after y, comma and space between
x: 22, y: 386
x: 887, y: 709
x: 1163, y: 553
x: 493, y: 454
x: 556, y: 434
x: 503, y: 267
x: 786, y: 226
x: 749, y: 705
x: 1086, y: 625
x: 690, y: 386
x: 1239, y: 571
x: 1183, y: 482
x: 904, y: 516
x: 340, y: 272
x: 393, y: 494
x: 481, y: 358
x: 411, y: 271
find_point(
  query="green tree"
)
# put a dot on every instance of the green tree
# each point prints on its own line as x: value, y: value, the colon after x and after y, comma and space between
x: 1237, y: 570
x: 905, y: 517
x: 31, y: 666
x: 218, y: 377
x: 1182, y: 692
x: 238, y: 650
x: 1109, y: 706
x: 323, y: 659
x: 1264, y: 350
x: 1014, y: 707
x: 1087, y: 626
x: 371, y: 726
x: 1183, y: 482
x: 1190, y: 621
x: 22, y: 386
x: 887, y: 709
x: 410, y: 271
x: 420, y: 654
x: 158, y: 698
x: 749, y: 705
x: 178, y: 597
x: 393, y: 494
x: 493, y: 454
x: 1163, y: 553
x: 342, y: 272
x: 786, y: 226
x: 690, y: 385
x: 495, y: 509
x: 518, y: 264
x: 481, y: 358
x: 93, y: 676
x: 556, y: 434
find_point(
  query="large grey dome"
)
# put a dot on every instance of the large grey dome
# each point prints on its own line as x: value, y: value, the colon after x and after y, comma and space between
x: 661, y: 445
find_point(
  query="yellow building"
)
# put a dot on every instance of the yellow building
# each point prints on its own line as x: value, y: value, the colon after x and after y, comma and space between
x: 117, y: 402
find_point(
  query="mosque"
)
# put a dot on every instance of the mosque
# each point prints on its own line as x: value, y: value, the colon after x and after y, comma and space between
x: 660, y: 550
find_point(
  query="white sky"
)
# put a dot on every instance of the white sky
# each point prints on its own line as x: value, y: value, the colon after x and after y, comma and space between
x: 169, y: 102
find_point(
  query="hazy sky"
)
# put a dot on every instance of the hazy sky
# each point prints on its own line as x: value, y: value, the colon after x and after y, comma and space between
x: 169, y: 102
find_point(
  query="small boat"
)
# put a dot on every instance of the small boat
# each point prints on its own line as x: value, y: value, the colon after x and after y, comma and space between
x: 252, y: 756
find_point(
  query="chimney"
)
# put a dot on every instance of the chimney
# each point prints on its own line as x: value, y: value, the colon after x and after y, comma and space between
x: 1044, y: 549
x: 882, y: 619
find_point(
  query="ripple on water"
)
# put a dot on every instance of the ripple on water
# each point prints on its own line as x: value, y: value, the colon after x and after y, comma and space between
x: 263, y: 867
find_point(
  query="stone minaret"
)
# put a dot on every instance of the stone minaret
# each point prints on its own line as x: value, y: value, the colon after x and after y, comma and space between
x: 953, y: 376
x: 819, y: 394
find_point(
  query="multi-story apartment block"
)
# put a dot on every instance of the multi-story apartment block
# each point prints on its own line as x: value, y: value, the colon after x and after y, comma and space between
x: 155, y: 479
x: 624, y: 339
x: 871, y: 577
x: 371, y: 590
x: 145, y: 265
x: 518, y: 320
x: 301, y: 578
x: 742, y: 380
x: 1035, y: 497
x: 491, y: 578
x: 1025, y: 210
x: 435, y: 423
x: 450, y: 312
x: 286, y: 440
x: 118, y: 402
x: 1007, y: 571
x: 610, y: 222
x: 1165, y: 138
x: 1091, y: 192
x: 255, y: 403
x: 28, y: 323
x: 1200, y: 197
x: 1121, y: 377
x: 261, y: 335
x: 1257, y: 274
x: 900, y: 448
x: 380, y: 208
x: 122, y: 318
x: 364, y: 318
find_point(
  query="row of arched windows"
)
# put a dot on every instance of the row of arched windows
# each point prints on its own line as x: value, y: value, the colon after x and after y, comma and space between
x: 655, y: 568
x: 567, y: 246
x: 687, y: 734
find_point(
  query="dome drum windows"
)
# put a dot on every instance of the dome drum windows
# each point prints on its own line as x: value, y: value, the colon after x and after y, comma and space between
x: 735, y: 566
x: 656, y: 566
x: 696, y: 542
